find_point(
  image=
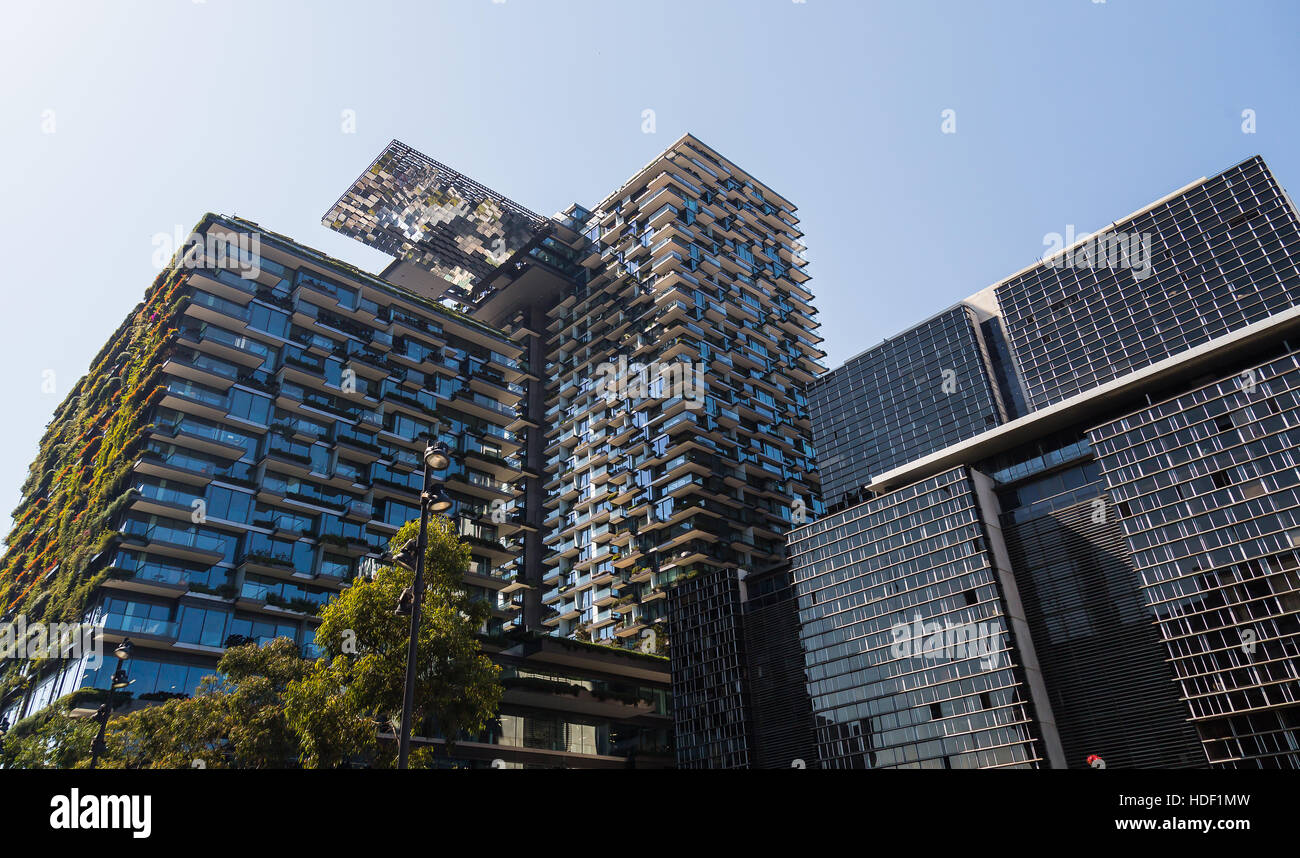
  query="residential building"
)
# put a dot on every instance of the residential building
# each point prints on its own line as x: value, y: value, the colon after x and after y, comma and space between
x: 622, y: 385
x: 667, y: 439
x: 247, y: 442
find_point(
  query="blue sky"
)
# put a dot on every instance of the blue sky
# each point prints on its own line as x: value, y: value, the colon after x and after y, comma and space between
x: 123, y: 120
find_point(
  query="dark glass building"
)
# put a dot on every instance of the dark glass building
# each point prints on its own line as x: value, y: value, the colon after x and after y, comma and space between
x: 921, y: 391
x: 1207, y: 485
x: 1209, y: 259
x: 781, y: 719
x: 710, y: 682
x: 1076, y: 581
x: 1128, y: 526
x: 739, y: 698
x: 882, y: 588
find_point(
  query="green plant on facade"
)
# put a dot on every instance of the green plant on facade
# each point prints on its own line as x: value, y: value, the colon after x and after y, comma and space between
x: 79, y: 481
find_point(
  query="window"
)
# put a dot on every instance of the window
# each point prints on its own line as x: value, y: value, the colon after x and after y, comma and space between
x: 250, y: 406
x: 203, y: 626
x: 267, y: 319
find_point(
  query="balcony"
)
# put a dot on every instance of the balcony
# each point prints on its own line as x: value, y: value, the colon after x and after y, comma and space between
x: 267, y: 564
x: 210, y: 308
x: 264, y: 599
x: 482, y: 406
x: 153, y: 500
x: 207, y: 439
x: 121, y: 624
x: 189, y: 398
x: 189, y: 545
x: 151, y: 578
x: 359, y: 511
x: 232, y: 347
x: 225, y: 284
x: 175, y: 467
x: 202, y: 369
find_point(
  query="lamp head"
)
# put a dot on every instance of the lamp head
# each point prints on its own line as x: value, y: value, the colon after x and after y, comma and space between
x: 439, y: 500
x: 405, y: 556
x: 437, y: 456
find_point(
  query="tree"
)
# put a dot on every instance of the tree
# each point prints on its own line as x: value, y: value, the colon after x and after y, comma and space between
x: 236, y: 720
x: 271, y: 708
x: 358, y: 683
x: 50, y: 739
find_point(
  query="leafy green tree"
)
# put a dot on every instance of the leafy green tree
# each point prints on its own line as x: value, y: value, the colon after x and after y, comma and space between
x: 271, y: 708
x: 50, y: 739
x: 358, y: 684
x: 235, y: 721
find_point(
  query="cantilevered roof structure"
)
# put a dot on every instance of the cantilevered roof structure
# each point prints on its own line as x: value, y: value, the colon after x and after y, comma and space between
x: 420, y: 211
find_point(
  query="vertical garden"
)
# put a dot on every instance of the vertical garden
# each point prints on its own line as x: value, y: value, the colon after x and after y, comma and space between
x: 80, y: 480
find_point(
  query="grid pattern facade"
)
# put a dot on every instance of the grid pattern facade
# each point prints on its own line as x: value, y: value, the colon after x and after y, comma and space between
x: 916, y: 393
x: 1223, y: 254
x: 710, y: 708
x: 1083, y: 606
x: 1208, y: 487
x: 917, y: 555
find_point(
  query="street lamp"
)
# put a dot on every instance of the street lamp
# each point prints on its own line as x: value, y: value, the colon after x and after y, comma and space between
x: 122, y: 652
x: 434, y: 498
x: 437, y: 456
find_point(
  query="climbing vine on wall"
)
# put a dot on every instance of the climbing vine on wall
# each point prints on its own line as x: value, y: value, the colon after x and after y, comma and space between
x: 80, y: 479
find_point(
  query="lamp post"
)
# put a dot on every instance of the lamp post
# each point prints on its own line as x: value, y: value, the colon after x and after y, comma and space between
x: 437, y: 457
x: 119, y: 680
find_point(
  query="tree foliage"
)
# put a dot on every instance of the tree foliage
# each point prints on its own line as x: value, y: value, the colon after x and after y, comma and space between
x: 233, y: 721
x: 364, y: 667
x: 271, y: 708
x: 52, y: 739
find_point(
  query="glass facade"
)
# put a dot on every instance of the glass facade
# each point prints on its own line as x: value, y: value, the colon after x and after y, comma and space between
x: 416, y: 209
x: 646, y: 448
x: 909, y: 654
x: 1211, y: 259
x: 1077, y: 584
x: 678, y: 433
x: 1146, y: 543
x: 1207, y: 485
x: 916, y: 393
x: 709, y: 677
x: 672, y: 334
x: 280, y: 452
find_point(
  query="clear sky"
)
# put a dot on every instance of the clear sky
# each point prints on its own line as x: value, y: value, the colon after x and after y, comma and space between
x: 123, y: 120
